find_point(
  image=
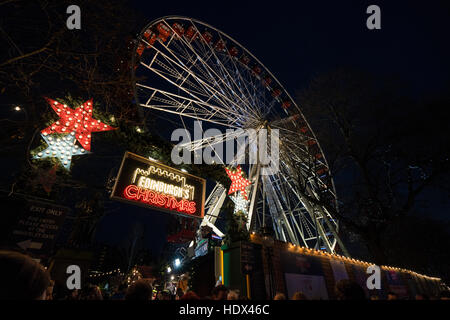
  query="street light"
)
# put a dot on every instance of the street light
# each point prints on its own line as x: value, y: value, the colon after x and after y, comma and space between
x: 177, y: 262
x: 17, y: 108
x: 169, y: 269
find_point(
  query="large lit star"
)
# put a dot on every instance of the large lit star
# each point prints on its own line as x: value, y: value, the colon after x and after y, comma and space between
x: 238, y: 182
x: 62, y: 148
x: 240, y: 203
x: 77, y: 120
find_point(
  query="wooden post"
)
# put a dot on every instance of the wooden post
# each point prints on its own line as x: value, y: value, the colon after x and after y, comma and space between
x: 247, y: 277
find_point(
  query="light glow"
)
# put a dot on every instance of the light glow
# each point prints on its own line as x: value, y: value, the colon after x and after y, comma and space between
x: 238, y: 182
x: 62, y: 148
x: 77, y: 120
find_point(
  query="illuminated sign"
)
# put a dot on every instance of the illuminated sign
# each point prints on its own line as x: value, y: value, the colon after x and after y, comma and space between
x: 150, y: 183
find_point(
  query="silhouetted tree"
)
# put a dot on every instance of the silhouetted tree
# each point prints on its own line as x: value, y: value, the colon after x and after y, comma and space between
x: 383, y: 149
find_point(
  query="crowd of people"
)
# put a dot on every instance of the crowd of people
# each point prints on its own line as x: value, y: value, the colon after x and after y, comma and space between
x: 22, y: 278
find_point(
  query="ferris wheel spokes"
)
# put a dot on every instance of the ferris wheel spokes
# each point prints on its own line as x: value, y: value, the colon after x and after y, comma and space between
x: 215, y: 78
x: 193, y: 70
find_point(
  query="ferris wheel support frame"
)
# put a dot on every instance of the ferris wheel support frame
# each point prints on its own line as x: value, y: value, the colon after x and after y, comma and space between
x: 223, y: 95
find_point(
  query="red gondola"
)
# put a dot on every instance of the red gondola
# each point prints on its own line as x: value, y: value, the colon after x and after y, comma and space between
x: 304, y: 129
x: 178, y: 28
x: 207, y: 37
x: 311, y: 142
x: 267, y: 81
x: 164, y: 31
x: 244, y: 59
x: 233, y: 51
x: 276, y: 92
x: 191, y: 33
x: 286, y: 104
x: 322, y: 171
x: 150, y: 37
x: 256, y: 69
x: 140, y: 49
x: 318, y: 156
x: 220, y: 45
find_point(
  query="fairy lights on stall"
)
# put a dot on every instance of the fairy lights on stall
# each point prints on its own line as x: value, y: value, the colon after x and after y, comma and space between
x: 314, y: 252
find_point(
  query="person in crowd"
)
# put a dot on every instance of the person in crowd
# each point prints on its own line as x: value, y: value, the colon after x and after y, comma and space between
x: 279, y: 296
x: 299, y: 296
x: 49, y: 293
x: 141, y: 290
x: 120, y: 293
x: 190, y: 295
x: 165, y: 295
x: 22, y: 278
x: 219, y: 293
x: 392, y: 296
x: 349, y: 290
x: 179, y: 294
x: 421, y: 296
x: 94, y: 293
x: 233, y: 295
x: 73, y: 295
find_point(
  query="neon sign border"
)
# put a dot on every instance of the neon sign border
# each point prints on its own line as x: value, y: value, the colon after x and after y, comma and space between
x: 155, y: 163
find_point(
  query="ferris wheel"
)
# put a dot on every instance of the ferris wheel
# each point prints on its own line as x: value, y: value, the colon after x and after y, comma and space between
x: 191, y: 71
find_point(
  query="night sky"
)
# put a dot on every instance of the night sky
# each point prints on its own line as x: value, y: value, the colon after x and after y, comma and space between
x: 301, y: 40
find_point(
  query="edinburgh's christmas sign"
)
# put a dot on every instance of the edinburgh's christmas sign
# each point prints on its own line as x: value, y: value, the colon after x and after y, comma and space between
x: 150, y: 183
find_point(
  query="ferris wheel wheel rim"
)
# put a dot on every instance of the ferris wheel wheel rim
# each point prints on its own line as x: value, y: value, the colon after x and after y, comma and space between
x: 185, y: 18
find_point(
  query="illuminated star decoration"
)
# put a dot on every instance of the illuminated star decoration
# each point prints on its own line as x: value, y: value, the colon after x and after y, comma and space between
x: 240, y: 204
x: 62, y: 148
x: 238, y: 182
x: 77, y: 120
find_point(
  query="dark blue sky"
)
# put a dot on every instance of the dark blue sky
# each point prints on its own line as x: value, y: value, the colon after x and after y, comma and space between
x: 297, y: 40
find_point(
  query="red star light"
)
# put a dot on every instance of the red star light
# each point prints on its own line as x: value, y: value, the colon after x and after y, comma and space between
x: 238, y: 182
x: 79, y: 122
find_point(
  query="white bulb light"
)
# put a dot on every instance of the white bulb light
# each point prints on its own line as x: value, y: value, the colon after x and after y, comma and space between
x: 63, y: 151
